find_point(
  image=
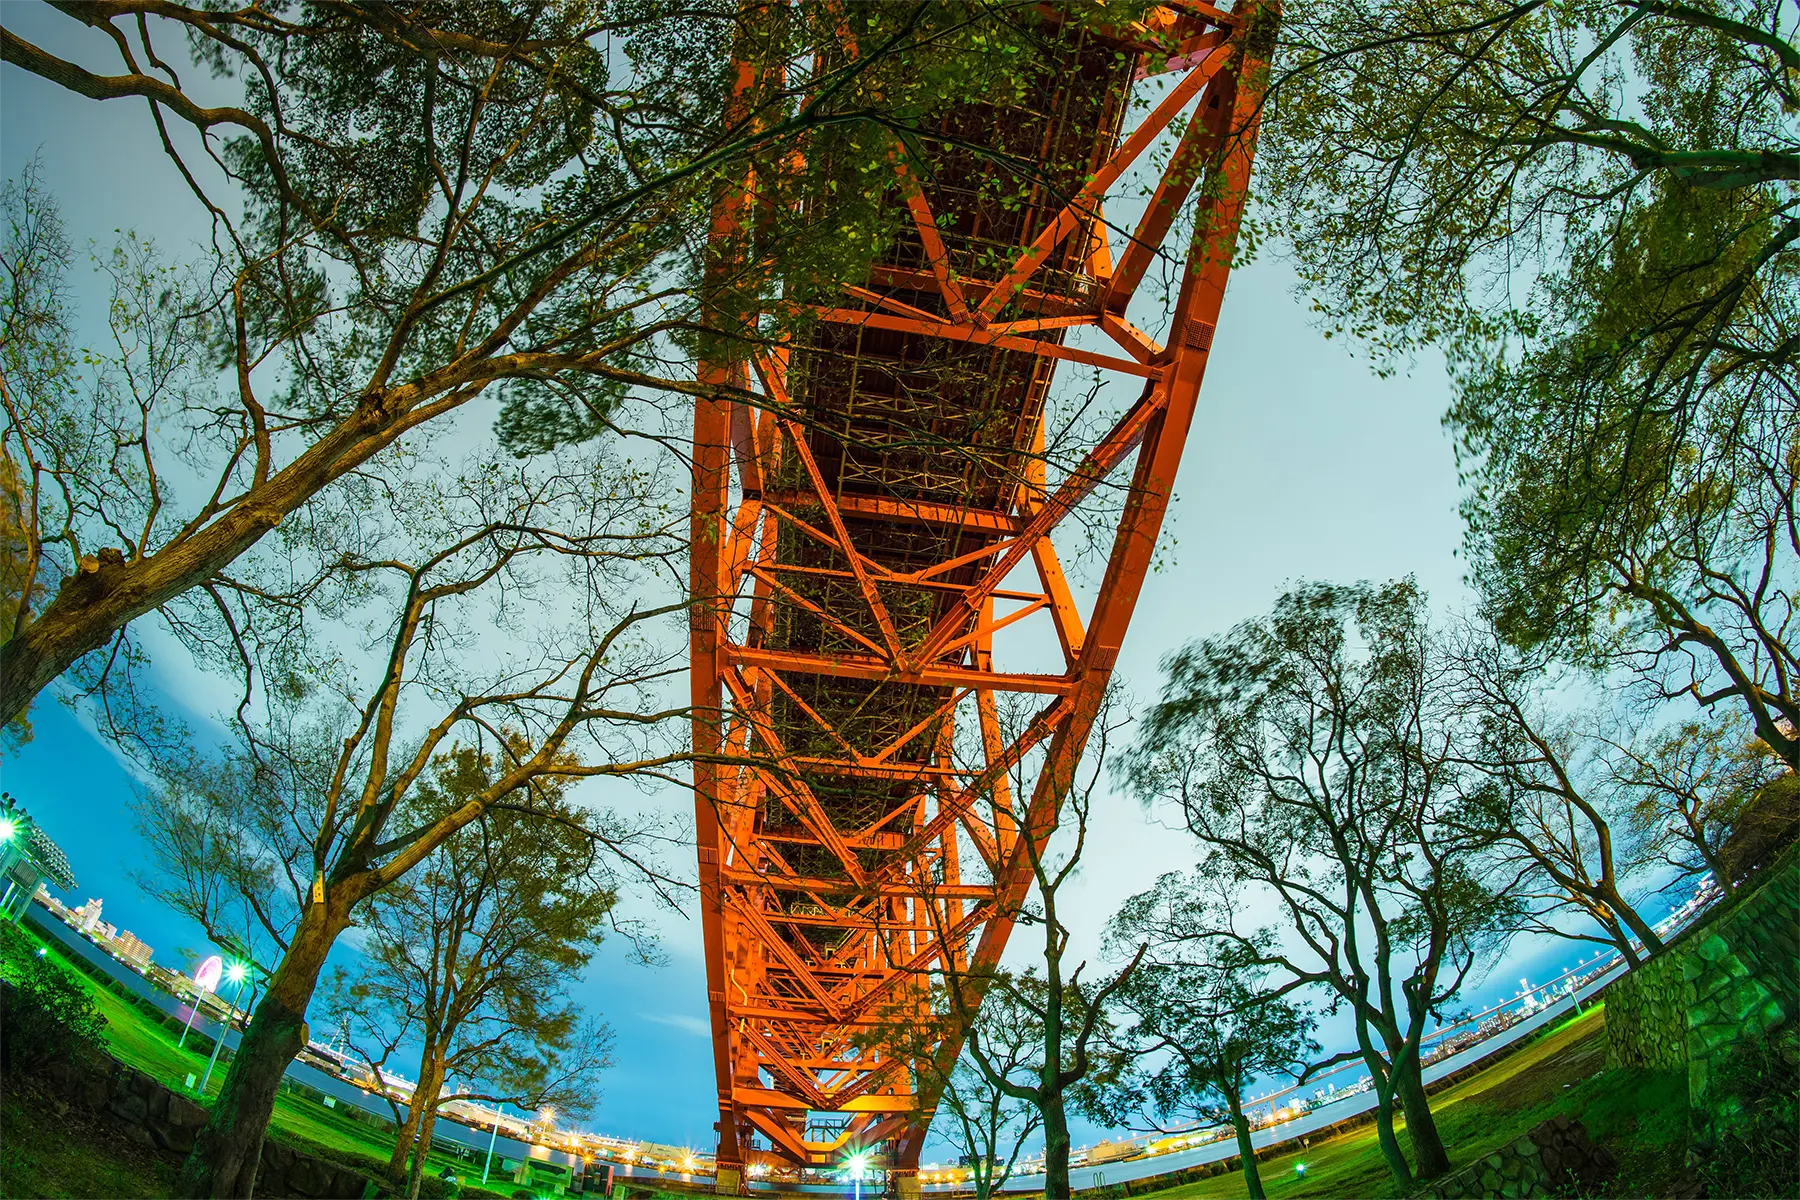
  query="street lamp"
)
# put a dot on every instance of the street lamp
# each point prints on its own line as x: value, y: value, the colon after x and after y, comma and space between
x: 856, y: 1165
x: 206, y: 978
x: 239, y: 974
x: 492, y: 1138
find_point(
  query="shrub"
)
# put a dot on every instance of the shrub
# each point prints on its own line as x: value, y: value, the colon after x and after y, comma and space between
x: 45, y: 1013
x: 1758, y: 1140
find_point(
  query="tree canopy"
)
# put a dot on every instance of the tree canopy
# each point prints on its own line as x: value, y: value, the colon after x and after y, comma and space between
x: 1590, y: 207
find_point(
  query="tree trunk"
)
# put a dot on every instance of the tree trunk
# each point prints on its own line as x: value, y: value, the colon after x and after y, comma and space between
x: 1056, y: 1148
x: 1652, y: 944
x: 1384, y: 1135
x: 1421, y: 1126
x: 421, y: 1110
x: 423, y: 1150
x: 226, y: 1154
x: 108, y: 591
x: 75, y: 622
x: 1246, y: 1152
x: 1721, y: 877
x: 403, y: 1142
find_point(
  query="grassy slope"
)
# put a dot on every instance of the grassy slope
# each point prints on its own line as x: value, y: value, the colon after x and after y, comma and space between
x: 51, y: 1154
x: 139, y: 1040
x: 1639, y: 1115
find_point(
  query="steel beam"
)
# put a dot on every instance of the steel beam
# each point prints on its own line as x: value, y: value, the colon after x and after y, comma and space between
x: 845, y: 606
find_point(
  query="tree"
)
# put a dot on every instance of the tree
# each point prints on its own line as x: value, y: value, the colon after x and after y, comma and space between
x: 1070, y: 1057
x: 468, y: 958
x: 1554, y: 799
x: 1311, y: 754
x: 499, y: 604
x: 1764, y: 829
x: 985, y: 1123
x: 1689, y: 786
x: 31, y: 244
x: 1209, y: 1021
x: 393, y: 170
x: 992, y: 1125
x: 1589, y: 205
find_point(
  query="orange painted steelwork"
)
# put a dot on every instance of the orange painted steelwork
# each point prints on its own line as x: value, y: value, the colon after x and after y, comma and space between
x: 890, y: 483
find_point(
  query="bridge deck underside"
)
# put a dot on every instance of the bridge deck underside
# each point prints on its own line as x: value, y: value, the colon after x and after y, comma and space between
x: 864, y: 838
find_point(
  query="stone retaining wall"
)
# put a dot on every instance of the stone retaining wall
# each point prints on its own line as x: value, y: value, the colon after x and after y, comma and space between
x: 1743, y: 980
x: 1727, y: 982
x: 1554, y: 1159
x: 155, y: 1117
x: 1646, y: 1017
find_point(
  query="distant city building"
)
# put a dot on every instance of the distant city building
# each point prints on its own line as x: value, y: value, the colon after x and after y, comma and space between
x: 132, y: 948
x: 27, y: 858
x: 87, y: 916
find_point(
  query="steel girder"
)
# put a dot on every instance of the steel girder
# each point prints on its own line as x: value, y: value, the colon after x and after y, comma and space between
x: 848, y: 590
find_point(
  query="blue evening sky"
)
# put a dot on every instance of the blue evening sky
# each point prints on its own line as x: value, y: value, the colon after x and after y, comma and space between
x: 1301, y: 464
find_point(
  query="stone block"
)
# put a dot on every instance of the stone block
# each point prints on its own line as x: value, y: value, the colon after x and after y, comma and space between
x: 1708, y: 1039
x: 1745, y: 998
x: 94, y: 1092
x: 185, y: 1114
x: 130, y: 1107
x: 60, y: 1074
x: 307, y: 1176
x: 139, y: 1134
x: 176, y: 1139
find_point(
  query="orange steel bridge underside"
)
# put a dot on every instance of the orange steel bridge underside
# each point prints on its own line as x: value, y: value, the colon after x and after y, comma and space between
x: 858, y: 826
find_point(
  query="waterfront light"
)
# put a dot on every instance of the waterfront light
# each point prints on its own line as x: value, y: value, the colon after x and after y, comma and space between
x: 855, y: 1166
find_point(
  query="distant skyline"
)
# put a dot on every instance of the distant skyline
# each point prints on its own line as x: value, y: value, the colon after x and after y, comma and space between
x: 1301, y: 465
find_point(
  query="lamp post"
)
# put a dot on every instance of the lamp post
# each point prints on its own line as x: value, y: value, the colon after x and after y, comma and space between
x: 239, y: 974
x: 492, y: 1138
x: 206, y: 978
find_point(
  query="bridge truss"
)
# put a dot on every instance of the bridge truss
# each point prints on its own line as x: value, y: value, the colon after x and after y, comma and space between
x: 867, y: 525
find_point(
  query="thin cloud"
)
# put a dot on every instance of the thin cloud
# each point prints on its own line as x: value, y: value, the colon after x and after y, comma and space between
x: 695, y: 1026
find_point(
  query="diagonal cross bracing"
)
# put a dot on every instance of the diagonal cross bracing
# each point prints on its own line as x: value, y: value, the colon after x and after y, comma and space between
x: 890, y: 497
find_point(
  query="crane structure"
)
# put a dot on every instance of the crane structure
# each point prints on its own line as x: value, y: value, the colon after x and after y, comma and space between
x: 874, y: 510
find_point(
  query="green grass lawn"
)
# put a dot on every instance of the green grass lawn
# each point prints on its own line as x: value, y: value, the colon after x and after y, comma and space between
x: 143, y: 1040
x: 1641, y: 1116
x: 71, y: 1153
